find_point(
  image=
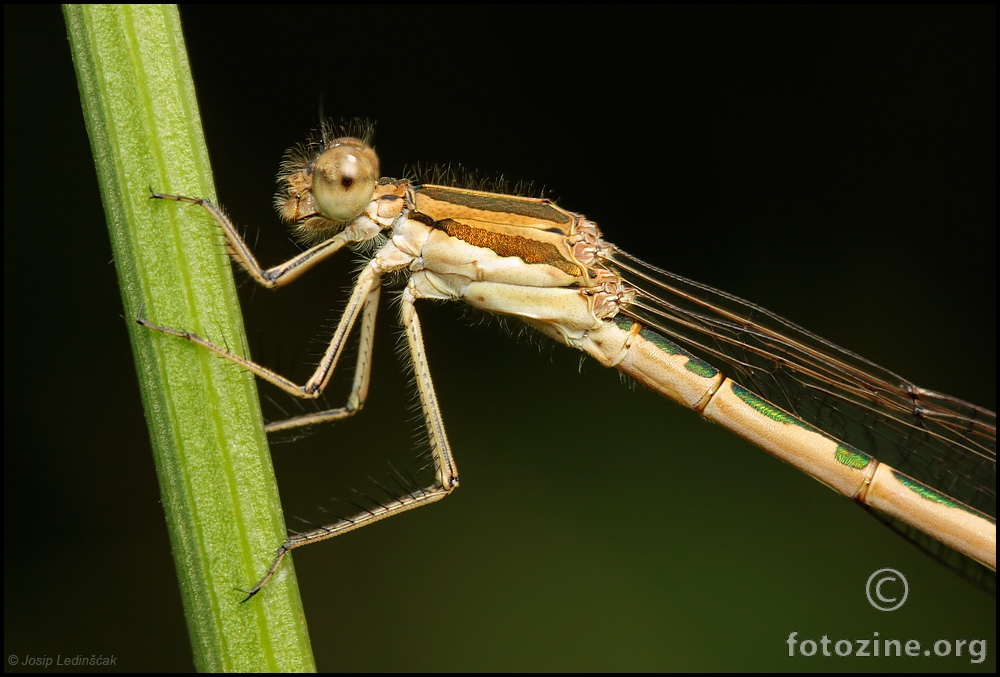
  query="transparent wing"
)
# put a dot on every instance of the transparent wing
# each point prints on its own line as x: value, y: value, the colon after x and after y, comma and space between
x: 942, y: 441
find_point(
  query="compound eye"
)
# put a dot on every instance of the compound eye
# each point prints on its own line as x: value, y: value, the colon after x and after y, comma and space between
x: 344, y: 179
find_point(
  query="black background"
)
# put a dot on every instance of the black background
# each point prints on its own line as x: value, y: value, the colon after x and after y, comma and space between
x: 836, y: 165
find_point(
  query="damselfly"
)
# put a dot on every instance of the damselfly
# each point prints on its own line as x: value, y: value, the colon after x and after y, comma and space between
x: 925, y: 461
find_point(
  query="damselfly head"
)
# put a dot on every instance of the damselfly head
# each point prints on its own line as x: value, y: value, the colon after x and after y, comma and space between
x: 327, y: 183
x: 344, y: 178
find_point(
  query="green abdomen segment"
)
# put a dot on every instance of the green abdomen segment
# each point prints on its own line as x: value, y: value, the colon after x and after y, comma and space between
x: 666, y: 368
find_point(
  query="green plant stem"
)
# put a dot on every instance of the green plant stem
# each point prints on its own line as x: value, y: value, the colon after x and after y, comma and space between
x: 211, y: 454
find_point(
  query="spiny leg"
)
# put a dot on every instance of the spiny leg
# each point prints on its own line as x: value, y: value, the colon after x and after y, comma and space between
x: 362, y: 376
x: 365, y: 291
x: 282, y: 273
x: 277, y: 276
x: 446, y: 473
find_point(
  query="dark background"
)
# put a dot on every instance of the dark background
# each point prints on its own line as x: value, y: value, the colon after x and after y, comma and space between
x: 836, y: 165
